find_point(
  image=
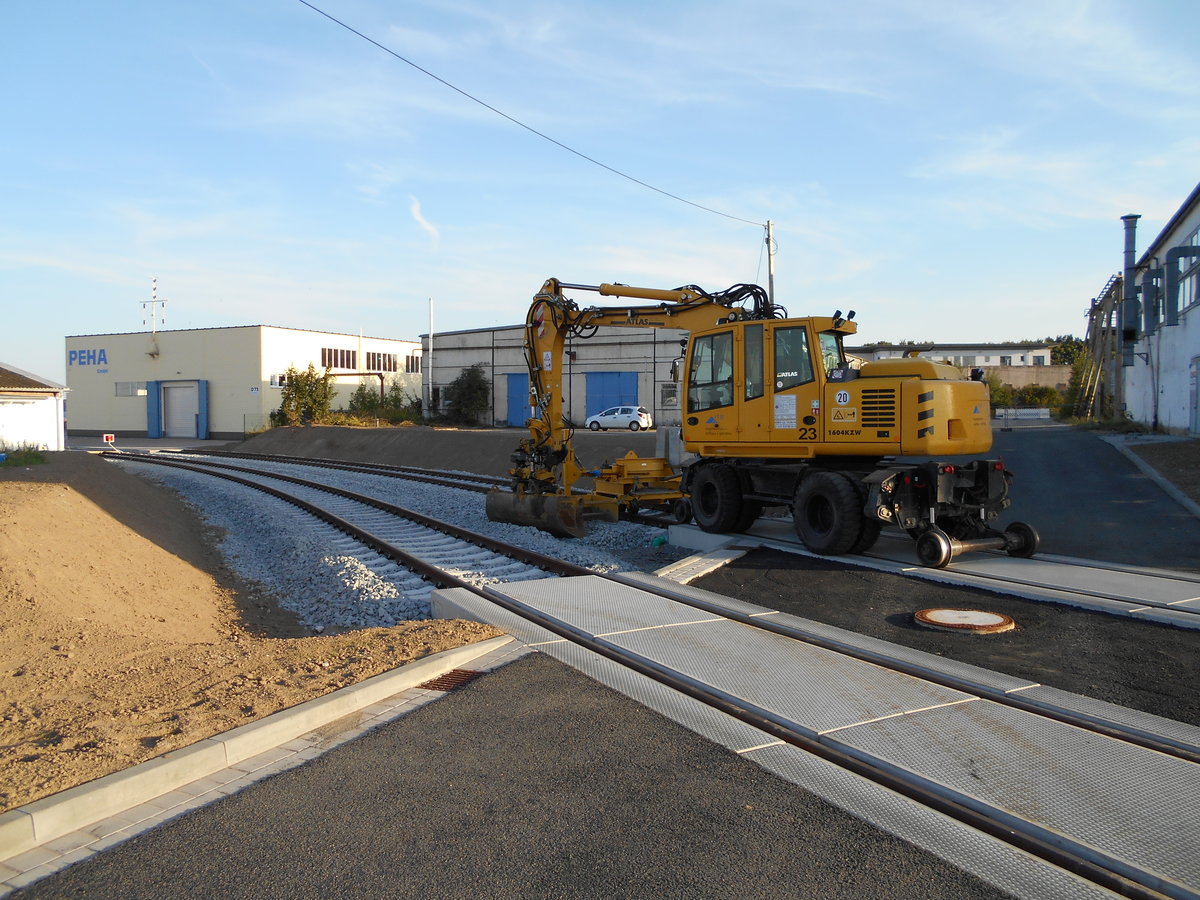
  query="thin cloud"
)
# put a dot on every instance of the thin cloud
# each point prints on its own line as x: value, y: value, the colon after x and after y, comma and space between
x: 414, y: 207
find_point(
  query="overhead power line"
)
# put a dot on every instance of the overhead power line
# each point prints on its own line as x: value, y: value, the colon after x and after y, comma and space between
x: 521, y: 124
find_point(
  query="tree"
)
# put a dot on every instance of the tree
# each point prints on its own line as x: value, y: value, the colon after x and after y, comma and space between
x: 1000, y: 396
x: 1066, y: 350
x: 1073, y: 395
x: 396, y: 404
x: 364, y: 400
x: 468, y: 395
x: 399, y: 404
x: 1038, y: 395
x: 306, y: 397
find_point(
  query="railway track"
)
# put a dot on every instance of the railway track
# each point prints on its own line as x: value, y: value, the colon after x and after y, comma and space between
x: 1161, y: 595
x: 494, y: 571
x: 1155, y: 594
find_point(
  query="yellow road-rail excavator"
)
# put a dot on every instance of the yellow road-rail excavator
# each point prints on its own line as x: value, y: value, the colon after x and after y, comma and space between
x: 773, y: 415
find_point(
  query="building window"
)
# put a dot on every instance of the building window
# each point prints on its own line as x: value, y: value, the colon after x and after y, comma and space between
x: 334, y: 358
x: 1039, y: 360
x: 1006, y: 360
x: 381, y: 362
x: 131, y: 388
x: 412, y: 364
x: 1189, y: 277
x: 278, y: 381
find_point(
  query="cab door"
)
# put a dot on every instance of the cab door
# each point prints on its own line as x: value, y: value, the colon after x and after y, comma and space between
x: 754, y: 418
x: 795, y: 397
x: 710, y: 411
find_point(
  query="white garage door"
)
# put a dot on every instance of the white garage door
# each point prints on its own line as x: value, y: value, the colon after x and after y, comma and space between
x: 180, y: 408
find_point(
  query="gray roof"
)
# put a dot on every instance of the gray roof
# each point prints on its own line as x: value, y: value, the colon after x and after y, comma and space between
x: 14, y: 379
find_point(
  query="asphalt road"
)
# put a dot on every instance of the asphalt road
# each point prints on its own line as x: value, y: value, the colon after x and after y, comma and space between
x: 1088, y: 500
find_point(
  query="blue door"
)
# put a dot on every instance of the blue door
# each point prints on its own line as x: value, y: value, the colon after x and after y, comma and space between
x: 605, y: 389
x: 519, y: 410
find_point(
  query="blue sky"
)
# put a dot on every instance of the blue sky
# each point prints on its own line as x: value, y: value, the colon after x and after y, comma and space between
x: 954, y: 171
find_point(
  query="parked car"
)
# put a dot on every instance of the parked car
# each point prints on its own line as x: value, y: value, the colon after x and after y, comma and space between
x: 634, y: 418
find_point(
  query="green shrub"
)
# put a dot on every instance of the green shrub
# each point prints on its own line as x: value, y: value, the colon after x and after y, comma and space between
x: 305, y: 398
x: 21, y: 456
x: 468, y: 396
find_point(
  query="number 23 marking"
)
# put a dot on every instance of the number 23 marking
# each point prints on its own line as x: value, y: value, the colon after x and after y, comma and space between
x: 807, y: 434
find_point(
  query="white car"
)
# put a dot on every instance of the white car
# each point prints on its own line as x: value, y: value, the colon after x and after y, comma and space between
x: 635, y: 418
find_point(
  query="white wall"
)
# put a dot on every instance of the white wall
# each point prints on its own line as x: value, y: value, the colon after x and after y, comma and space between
x: 28, y: 420
x: 1159, y: 388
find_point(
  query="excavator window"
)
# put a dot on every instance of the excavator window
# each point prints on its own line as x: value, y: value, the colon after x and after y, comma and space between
x: 710, y: 378
x: 793, y: 365
x: 831, y: 351
x: 752, y: 343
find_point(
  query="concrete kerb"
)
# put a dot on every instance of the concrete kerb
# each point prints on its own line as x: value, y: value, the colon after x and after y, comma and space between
x: 1122, y: 446
x: 36, y: 823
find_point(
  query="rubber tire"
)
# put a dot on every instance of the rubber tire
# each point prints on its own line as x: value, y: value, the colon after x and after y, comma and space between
x: 933, y: 548
x: 594, y: 426
x: 751, y: 510
x: 827, y: 514
x: 716, y: 499
x: 871, y: 529
x: 635, y: 426
x: 682, y: 511
x: 1029, y: 540
x: 871, y: 526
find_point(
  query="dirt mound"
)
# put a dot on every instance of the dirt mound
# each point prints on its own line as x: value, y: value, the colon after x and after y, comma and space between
x: 123, y: 636
x: 487, y: 451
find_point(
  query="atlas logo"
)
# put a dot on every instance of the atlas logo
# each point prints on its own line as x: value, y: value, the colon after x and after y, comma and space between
x: 87, y: 357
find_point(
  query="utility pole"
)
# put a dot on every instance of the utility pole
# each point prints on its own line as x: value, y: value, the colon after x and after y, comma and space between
x: 770, y: 261
x: 154, y: 303
x: 427, y: 369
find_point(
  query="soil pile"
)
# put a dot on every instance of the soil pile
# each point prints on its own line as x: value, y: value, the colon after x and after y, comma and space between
x: 123, y: 635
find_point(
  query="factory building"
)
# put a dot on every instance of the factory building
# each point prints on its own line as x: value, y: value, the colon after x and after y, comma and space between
x: 31, y: 411
x: 615, y: 366
x: 1160, y: 323
x: 965, y: 356
x: 216, y: 383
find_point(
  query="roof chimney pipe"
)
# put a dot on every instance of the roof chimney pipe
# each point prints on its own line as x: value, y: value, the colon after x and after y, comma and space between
x: 1129, y: 305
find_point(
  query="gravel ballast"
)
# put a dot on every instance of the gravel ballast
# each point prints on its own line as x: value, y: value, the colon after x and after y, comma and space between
x: 288, y: 553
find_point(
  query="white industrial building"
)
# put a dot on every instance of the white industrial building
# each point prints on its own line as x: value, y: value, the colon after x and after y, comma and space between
x: 965, y: 356
x: 616, y: 366
x: 31, y: 411
x: 217, y: 383
x: 1160, y: 323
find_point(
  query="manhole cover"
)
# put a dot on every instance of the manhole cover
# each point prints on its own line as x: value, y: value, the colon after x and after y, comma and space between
x: 976, y: 621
